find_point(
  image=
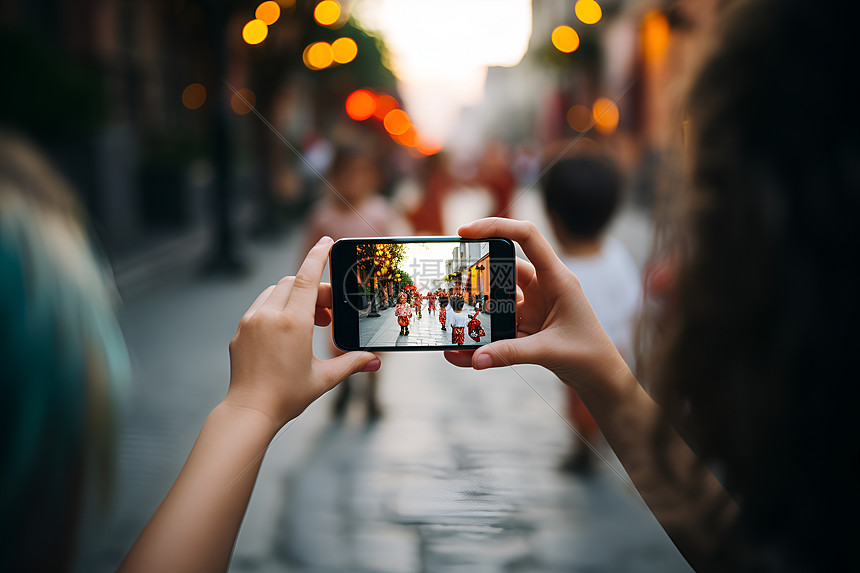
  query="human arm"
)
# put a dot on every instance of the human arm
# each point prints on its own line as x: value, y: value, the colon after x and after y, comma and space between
x: 557, y: 329
x: 274, y: 377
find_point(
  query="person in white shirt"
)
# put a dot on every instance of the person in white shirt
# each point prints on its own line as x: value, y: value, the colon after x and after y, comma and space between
x: 581, y: 195
x: 457, y: 318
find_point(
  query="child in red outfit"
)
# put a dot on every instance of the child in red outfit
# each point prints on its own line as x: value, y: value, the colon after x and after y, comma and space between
x: 403, y: 312
x: 416, y: 302
x: 431, y: 303
x: 457, y: 319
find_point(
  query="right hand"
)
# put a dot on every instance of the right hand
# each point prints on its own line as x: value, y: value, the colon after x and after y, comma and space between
x: 556, y: 327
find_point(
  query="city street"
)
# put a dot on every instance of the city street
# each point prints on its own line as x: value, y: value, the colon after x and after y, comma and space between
x: 383, y: 330
x: 459, y: 474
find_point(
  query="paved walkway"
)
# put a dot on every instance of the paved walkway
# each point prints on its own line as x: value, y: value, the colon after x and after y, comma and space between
x: 383, y: 330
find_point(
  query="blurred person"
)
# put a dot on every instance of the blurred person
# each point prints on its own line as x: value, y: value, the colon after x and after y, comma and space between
x: 64, y: 361
x: 495, y: 174
x: 581, y: 195
x: 749, y: 460
x: 435, y: 181
x: 431, y: 303
x: 354, y: 207
x: 416, y: 302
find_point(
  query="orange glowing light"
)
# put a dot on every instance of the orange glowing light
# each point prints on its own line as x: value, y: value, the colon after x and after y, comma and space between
x: 327, y: 12
x: 242, y: 101
x: 655, y: 37
x: 426, y: 147
x: 408, y: 138
x: 588, y: 11
x: 396, y: 122
x: 579, y: 118
x: 345, y: 50
x: 255, y: 32
x: 565, y: 39
x: 268, y: 12
x: 384, y: 104
x: 193, y: 96
x: 360, y: 105
x: 605, y: 115
x: 318, y: 56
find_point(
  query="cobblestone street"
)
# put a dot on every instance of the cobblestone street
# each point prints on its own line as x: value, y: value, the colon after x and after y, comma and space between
x: 383, y: 330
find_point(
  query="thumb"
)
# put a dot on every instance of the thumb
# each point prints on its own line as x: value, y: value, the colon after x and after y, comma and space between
x: 507, y: 353
x: 340, y: 367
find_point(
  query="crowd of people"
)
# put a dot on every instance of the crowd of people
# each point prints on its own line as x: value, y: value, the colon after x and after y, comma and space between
x: 744, y: 445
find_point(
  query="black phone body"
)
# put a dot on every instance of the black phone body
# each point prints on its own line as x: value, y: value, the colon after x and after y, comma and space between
x: 459, y: 293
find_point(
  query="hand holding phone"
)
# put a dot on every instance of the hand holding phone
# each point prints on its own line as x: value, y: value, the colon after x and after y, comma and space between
x: 556, y: 326
x: 422, y: 293
x: 272, y: 366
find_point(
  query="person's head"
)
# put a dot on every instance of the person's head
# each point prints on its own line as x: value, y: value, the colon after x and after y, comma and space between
x: 354, y: 173
x: 401, y: 298
x: 581, y: 195
x: 457, y: 303
x: 755, y: 359
x: 63, y: 359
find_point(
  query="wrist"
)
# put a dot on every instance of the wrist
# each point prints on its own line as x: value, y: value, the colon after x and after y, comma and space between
x: 233, y: 411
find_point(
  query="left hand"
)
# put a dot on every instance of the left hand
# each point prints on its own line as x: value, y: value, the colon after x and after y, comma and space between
x: 272, y: 366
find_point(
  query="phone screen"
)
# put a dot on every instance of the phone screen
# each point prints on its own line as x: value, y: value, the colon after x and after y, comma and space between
x: 421, y: 295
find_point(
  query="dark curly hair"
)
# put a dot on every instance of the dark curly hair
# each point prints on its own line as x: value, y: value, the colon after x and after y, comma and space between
x: 755, y: 362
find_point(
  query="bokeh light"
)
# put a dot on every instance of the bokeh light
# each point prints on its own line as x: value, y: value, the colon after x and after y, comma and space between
x: 384, y: 104
x: 268, y: 12
x: 396, y: 122
x: 428, y: 147
x: 318, y: 56
x: 344, y: 49
x: 194, y: 96
x: 360, y: 105
x: 579, y: 118
x: 408, y: 138
x: 605, y: 115
x: 239, y: 99
x: 327, y: 12
x: 255, y: 32
x: 588, y: 11
x: 565, y: 39
x: 655, y: 37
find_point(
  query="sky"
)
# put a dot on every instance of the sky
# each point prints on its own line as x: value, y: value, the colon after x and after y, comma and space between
x: 441, y: 49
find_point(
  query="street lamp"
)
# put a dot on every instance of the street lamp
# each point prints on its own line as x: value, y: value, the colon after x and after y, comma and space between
x: 373, y: 311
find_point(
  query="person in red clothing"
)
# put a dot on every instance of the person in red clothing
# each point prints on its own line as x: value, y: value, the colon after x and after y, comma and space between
x: 403, y: 312
x: 443, y: 308
x: 431, y: 303
x: 416, y: 303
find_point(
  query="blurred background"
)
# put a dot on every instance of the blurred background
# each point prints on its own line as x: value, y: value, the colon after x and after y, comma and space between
x: 200, y: 135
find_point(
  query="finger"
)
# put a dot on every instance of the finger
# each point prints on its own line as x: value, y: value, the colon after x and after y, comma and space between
x: 258, y: 302
x: 336, y: 369
x: 525, y: 272
x: 307, y: 283
x: 324, y: 295
x: 526, y: 233
x: 507, y: 353
x: 281, y: 293
x: 461, y: 358
x: 322, y: 316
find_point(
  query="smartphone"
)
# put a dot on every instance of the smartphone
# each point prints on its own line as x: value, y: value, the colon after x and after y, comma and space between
x: 422, y: 293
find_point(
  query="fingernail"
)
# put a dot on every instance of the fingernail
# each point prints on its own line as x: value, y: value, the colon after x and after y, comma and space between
x: 372, y: 366
x: 483, y: 361
x: 325, y: 240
